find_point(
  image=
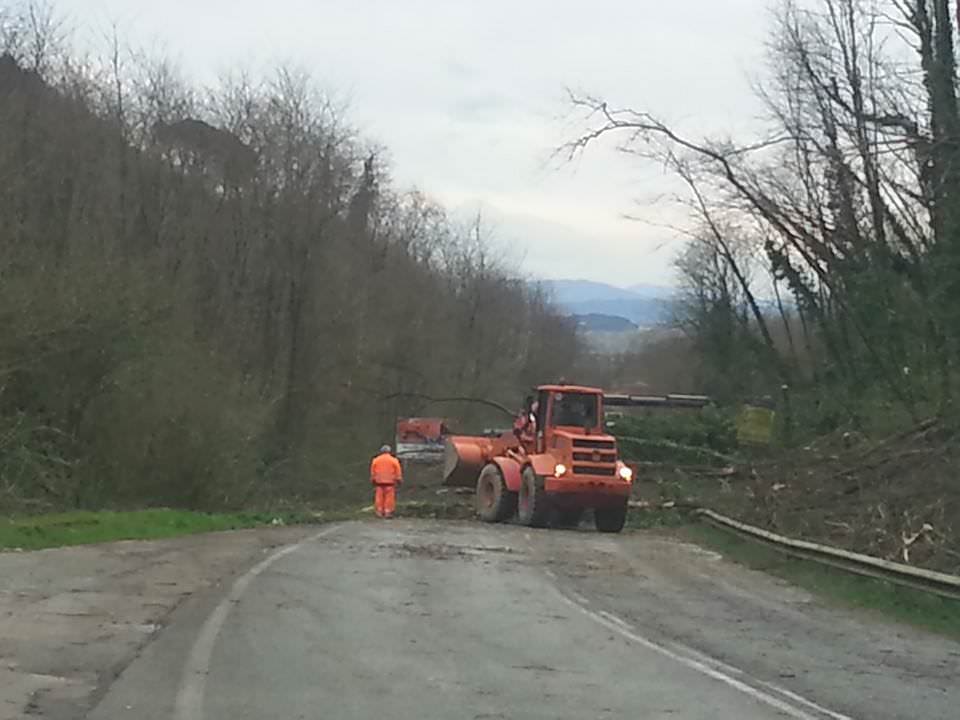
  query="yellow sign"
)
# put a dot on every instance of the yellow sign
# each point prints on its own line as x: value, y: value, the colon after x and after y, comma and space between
x: 755, y: 425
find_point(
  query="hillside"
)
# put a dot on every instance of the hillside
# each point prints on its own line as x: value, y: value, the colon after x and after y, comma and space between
x: 894, y: 497
x: 212, y: 306
x: 604, y: 323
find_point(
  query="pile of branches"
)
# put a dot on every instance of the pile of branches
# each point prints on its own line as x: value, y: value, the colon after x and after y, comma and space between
x: 896, y: 499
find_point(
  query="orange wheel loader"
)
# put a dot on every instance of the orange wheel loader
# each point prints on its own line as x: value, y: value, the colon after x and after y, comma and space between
x: 557, y: 462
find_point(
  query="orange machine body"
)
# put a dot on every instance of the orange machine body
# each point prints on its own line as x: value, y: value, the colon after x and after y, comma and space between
x: 568, y: 448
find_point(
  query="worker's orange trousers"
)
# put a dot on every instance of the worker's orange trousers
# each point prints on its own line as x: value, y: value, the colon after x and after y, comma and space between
x: 385, y: 500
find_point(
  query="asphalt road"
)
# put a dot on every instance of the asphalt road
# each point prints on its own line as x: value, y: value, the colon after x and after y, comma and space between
x: 442, y: 621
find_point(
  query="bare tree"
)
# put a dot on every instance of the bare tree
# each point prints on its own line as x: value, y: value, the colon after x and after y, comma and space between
x: 851, y: 191
x: 216, y: 296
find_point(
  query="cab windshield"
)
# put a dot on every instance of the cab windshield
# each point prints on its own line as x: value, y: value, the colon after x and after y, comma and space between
x: 574, y: 410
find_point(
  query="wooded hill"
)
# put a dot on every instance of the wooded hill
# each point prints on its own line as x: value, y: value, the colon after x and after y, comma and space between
x: 842, y: 209
x: 216, y: 297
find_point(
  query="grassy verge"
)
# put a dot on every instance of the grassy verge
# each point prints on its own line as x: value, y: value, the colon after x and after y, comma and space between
x: 902, y: 604
x: 81, y: 528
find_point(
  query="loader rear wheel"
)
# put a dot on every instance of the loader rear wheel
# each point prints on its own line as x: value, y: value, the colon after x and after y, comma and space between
x: 611, y: 519
x: 495, y: 503
x: 533, y: 506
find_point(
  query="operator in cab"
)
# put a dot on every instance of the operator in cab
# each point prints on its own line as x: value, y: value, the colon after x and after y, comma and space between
x: 574, y: 410
x: 385, y: 475
x: 525, y: 424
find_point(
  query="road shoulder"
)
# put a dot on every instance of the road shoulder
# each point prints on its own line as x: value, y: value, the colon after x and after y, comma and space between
x: 71, y: 619
x: 681, y: 594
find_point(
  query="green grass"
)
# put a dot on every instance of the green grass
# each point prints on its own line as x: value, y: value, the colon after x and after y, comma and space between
x: 81, y: 528
x: 914, y: 607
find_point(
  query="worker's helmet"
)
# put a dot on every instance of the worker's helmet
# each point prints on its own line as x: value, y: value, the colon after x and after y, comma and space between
x: 385, y: 449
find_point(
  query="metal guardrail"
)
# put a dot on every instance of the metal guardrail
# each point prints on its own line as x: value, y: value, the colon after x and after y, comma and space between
x: 942, y: 584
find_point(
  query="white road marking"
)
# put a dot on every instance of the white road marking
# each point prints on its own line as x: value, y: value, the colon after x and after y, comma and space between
x: 687, y: 650
x: 692, y: 652
x: 803, y: 701
x: 613, y: 618
x: 189, y: 701
x: 624, y: 629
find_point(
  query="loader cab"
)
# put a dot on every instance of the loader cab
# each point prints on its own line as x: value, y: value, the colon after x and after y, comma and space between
x: 574, y: 410
x: 567, y: 407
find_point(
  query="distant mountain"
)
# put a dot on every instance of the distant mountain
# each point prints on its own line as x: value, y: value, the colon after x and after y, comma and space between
x: 567, y: 291
x: 642, y: 305
x: 595, y: 322
x: 643, y: 312
x: 659, y: 292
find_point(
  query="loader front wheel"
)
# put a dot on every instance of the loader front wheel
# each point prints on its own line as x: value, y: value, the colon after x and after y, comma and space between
x: 495, y: 503
x: 611, y: 519
x: 533, y: 506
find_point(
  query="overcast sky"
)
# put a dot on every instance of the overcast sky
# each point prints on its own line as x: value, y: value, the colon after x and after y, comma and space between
x: 468, y: 96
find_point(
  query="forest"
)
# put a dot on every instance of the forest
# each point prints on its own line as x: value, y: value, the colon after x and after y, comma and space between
x: 823, y: 254
x: 215, y: 297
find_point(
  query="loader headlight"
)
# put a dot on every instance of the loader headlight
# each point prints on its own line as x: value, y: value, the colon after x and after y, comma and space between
x: 625, y: 473
x: 560, y: 470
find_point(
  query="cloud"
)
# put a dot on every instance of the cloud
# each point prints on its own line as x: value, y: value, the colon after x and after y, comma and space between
x: 468, y: 96
x: 482, y: 108
x: 613, y: 250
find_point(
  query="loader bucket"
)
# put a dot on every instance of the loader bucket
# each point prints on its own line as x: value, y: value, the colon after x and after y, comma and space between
x: 463, y: 459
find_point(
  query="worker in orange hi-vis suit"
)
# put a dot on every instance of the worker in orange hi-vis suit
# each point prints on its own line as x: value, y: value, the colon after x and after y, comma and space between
x: 385, y: 475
